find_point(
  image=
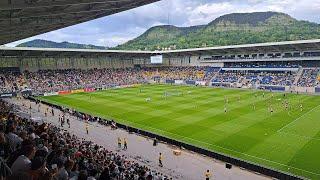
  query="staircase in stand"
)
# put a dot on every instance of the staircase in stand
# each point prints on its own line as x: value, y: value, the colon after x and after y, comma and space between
x: 215, y: 74
x: 298, y: 76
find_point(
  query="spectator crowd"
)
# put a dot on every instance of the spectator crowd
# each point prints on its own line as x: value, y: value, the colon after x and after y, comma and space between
x: 259, y: 78
x: 57, y: 80
x: 10, y: 81
x: 33, y: 151
x: 310, y: 78
x: 70, y: 79
x: 265, y: 64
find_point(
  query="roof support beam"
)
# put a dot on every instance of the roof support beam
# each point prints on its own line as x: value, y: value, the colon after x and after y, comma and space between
x: 29, y: 4
x: 61, y: 11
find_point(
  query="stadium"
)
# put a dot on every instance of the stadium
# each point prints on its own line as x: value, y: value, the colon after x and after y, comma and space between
x: 248, y: 111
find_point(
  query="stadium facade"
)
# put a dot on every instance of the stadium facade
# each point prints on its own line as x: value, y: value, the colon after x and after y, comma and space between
x: 305, y: 50
x: 291, y: 58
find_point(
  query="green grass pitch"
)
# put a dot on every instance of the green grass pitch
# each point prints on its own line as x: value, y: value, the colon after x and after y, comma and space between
x: 286, y: 140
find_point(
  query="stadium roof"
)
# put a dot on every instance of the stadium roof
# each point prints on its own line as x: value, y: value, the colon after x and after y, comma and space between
x: 21, y: 19
x: 286, y: 46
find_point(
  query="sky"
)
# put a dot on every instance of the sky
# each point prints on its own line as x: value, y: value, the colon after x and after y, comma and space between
x: 117, y: 29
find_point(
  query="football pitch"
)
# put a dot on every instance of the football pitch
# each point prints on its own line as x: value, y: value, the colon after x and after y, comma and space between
x: 238, y: 123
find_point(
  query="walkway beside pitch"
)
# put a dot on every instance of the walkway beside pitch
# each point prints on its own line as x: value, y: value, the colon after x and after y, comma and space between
x: 187, y: 166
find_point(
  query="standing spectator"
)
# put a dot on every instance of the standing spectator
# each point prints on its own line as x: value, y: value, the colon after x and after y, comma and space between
x: 68, y: 122
x: 87, y: 128
x: 160, y: 160
x: 119, y: 142
x: 125, y: 144
x: 207, y: 174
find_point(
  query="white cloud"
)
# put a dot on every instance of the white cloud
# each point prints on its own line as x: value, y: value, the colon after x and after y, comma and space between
x: 205, y: 13
x: 118, y: 40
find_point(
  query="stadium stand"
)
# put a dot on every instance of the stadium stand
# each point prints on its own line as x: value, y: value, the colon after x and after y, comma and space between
x: 227, y: 77
x: 309, y: 78
x: 58, y: 80
x: 179, y: 73
x: 69, y: 79
x: 10, y: 80
x: 263, y: 65
x: 266, y: 56
x: 263, y: 78
x: 43, y: 81
x: 31, y: 150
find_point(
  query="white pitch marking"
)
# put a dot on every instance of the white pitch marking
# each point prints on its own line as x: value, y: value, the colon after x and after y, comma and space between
x: 298, y: 118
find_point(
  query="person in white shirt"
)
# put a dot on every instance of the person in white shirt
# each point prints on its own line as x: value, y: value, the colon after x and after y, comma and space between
x: 23, y: 162
x: 13, y: 139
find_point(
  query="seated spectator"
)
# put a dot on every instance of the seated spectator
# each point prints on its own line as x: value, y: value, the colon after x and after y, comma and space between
x: 309, y: 78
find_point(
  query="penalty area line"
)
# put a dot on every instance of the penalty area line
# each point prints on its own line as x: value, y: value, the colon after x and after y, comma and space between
x: 300, y: 136
x: 298, y: 118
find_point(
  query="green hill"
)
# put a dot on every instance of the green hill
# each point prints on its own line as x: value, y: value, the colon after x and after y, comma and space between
x: 231, y: 29
x: 50, y: 44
